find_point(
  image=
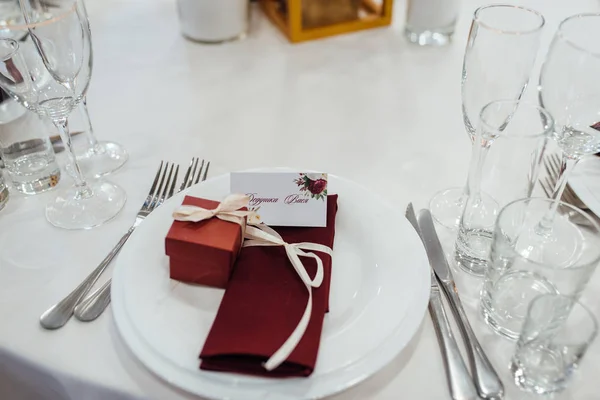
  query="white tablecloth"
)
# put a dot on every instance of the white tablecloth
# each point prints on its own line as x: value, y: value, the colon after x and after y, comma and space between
x: 367, y: 106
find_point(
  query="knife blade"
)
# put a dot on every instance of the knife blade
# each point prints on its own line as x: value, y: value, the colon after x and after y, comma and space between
x: 487, y: 381
x: 457, y: 375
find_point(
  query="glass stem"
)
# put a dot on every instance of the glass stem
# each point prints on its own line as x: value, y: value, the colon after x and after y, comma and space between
x: 478, y: 157
x: 91, y: 138
x: 464, y: 197
x: 73, y: 167
x: 566, y: 166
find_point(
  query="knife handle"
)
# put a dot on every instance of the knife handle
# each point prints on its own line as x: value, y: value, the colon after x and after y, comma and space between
x: 459, y: 381
x: 489, y: 385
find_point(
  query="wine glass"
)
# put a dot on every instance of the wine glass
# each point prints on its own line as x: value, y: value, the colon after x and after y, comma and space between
x: 570, y: 89
x: 99, y: 158
x: 501, y: 50
x: 49, y: 74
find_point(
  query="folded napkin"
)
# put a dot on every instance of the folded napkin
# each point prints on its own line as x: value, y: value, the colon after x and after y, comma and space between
x: 264, y: 302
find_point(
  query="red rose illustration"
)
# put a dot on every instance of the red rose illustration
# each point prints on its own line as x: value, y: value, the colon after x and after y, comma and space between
x: 316, y: 187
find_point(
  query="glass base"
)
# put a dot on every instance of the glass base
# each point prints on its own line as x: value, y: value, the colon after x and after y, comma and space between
x: 468, y: 286
x: 103, y: 159
x: 74, y: 208
x: 447, y: 207
x: 504, y: 304
x: 540, y: 371
x: 40, y: 185
x: 472, y: 249
x: 428, y: 37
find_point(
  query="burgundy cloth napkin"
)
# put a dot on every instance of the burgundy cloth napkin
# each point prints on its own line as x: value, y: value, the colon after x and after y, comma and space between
x: 264, y: 302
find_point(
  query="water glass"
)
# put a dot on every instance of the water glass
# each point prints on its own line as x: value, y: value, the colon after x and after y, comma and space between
x: 524, y: 264
x: 519, y: 132
x: 556, y: 334
x: 431, y: 22
x: 26, y: 150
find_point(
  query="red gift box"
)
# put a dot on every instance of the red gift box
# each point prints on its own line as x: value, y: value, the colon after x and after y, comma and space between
x: 203, y: 252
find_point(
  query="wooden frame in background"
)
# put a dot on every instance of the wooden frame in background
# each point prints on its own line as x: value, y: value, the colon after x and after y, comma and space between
x: 379, y: 15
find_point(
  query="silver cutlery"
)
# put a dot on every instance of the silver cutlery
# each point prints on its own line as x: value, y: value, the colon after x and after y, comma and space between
x: 95, y: 304
x: 58, y: 315
x: 487, y: 381
x: 459, y: 381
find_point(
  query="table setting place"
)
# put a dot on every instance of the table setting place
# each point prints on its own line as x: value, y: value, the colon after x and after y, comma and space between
x: 286, y: 283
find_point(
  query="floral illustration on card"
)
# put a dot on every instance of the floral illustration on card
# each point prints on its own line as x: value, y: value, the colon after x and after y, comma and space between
x: 313, y: 185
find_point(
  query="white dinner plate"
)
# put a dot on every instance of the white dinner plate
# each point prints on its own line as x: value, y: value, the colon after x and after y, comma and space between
x: 379, y: 293
x: 585, y: 181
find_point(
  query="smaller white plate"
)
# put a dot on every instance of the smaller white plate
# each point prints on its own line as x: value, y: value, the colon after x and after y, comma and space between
x: 585, y: 181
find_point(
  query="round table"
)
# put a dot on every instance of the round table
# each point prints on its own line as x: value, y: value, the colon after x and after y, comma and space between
x: 367, y: 106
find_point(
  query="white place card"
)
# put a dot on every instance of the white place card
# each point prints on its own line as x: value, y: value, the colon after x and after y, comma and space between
x: 284, y: 198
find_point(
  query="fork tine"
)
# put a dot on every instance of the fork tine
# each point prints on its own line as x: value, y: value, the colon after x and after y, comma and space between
x: 568, y: 194
x: 568, y: 190
x: 167, y: 183
x: 205, y: 171
x: 199, y: 173
x: 546, y: 188
x: 556, y: 164
x: 160, y: 187
x: 556, y: 160
x: 191, y: 180
x: 550, y: 171
x: 151, y: 192
x: 186, y: 176
x: 173, y: 183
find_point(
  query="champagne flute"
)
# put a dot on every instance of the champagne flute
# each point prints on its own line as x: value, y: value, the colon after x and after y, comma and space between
x: 49, y: 75
x: 570, y: 89
x: 99, y: 158
x: 501, y: 50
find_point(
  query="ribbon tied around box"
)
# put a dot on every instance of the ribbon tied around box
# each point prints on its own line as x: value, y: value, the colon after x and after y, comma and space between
x: 263, y: 235
x: 227, y: 210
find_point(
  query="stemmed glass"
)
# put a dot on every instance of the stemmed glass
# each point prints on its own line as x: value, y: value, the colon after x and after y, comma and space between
x: 99, y: 158
x: 49, y: 74
x: 570, y: 89
x: 501, y: 50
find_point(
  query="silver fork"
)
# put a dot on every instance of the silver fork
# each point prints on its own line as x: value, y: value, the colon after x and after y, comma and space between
x: 95, y: 304
x: 58, y: 315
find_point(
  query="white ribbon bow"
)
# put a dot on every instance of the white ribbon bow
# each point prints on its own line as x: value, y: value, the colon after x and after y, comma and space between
x: 262, y: 235
x: 227, y: 210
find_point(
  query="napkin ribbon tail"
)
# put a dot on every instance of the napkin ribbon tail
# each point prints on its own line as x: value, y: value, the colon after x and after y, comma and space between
x: 262, y: 235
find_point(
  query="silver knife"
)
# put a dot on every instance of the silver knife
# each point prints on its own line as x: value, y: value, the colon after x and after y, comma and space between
x: 459, y: 381
x: 487, y: 381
